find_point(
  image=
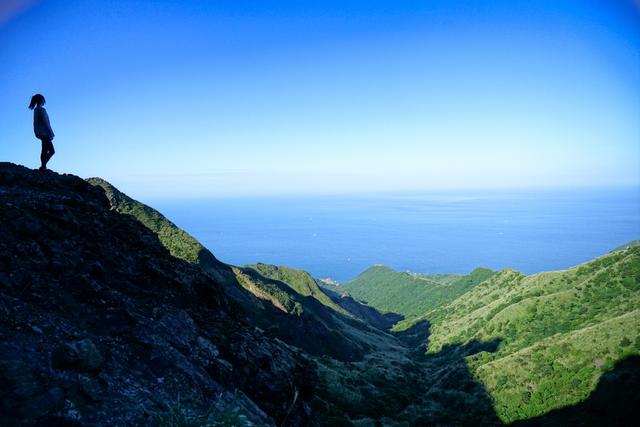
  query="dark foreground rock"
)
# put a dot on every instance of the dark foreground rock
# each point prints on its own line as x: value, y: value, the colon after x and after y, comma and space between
x: 100, y: 325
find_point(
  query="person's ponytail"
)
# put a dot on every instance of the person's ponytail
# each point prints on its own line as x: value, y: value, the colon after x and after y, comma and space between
x: 36, y: 99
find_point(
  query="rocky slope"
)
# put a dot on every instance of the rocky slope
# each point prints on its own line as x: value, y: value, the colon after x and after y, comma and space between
x: 101, y: 325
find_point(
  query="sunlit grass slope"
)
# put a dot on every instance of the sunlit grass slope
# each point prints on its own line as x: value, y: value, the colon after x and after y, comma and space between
x: 298, y: 280
x: 410, y: 294
x: 559, y: 331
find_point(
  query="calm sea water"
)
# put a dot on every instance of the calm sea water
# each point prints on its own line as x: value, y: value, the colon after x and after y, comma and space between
x: 453, y: 232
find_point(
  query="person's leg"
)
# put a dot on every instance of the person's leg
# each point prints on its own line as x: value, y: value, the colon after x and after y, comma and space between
x: 47, y: 153
x: 51, y: 151
x: 43, y: 155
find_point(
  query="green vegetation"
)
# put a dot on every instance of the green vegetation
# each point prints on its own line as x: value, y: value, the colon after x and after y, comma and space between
x: 559, y: 331
x: 555, y: 335
x: 320, y: 326
x: 179, y: 243
x: 298, y: 280
x: 410, y: 294
x: 275, y: 292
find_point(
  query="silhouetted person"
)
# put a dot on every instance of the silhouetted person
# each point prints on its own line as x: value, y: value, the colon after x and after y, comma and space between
x: 42, y: 129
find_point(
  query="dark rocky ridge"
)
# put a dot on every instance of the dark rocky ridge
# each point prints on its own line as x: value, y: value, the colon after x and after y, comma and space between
x: 100, y: 325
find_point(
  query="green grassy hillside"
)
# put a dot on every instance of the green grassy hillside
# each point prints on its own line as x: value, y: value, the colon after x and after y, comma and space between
x: 408, y: 294
x: 558, y: 331
x: 298, y: 280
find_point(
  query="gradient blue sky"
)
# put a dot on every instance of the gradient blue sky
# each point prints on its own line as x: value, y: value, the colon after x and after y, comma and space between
x: 197, y: 99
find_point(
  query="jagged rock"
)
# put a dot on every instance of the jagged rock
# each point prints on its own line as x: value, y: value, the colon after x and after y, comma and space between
x: 90, y: 387
x: 24, y: 394
x: 83, y: 355
x: 18, y: 380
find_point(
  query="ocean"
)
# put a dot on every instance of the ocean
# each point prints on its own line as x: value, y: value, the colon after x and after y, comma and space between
x: 438, y: 232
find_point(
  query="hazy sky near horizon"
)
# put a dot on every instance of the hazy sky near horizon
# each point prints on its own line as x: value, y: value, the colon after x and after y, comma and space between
x: 194, y: 99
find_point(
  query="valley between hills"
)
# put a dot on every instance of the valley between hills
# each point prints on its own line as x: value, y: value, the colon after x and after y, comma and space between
x: 112, y: 315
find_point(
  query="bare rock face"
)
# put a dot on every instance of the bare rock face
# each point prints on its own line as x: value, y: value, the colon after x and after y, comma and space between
x: 100, y: 325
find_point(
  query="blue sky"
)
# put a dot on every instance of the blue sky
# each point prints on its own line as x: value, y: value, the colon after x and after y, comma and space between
x: 201, y: 99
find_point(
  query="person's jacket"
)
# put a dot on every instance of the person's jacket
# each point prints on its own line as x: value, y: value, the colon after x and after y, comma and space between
x: 41, y: 125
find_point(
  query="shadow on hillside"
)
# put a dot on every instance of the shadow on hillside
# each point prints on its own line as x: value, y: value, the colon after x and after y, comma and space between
x: 614, y: 402
x: 465, y: 401
x: 363, y: 311
x: 307, y: 324
x: 460, y: 351
x: 429, y: 390
x: 416, y: 337
x: 439, y: 389
x: 451, y: 395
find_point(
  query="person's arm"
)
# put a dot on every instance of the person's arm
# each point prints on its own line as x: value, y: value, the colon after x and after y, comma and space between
x: 46, y: 120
